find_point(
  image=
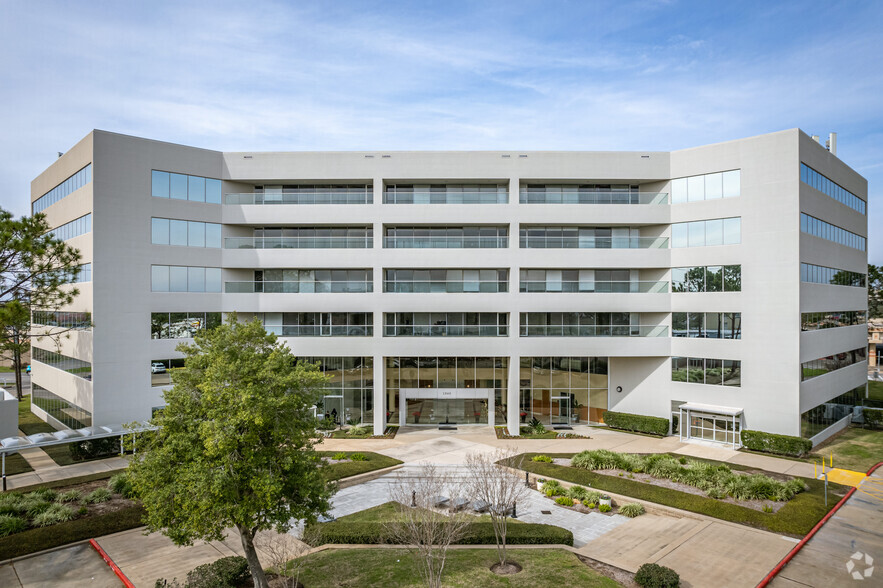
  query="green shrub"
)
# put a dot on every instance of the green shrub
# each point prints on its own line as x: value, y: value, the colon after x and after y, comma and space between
x: 564, y: 501
x: 480, y: 533
x: 69, y: 496
x: 656, y: 576
x: 98, y: 495
x: 359, y: 431
x: 339, y: 456
x: 767, y: 508
x: 10, y: 503
x: 682, y: 460
x: 636, y: 422
x: 535, y: 427
x: 589, y: 505
x: 33, y: 506
x: 10, y: 524
x: 873, y: 416
x: 776, y: 444
x: 578, y: 492
x: 326, y: 424
x: 227, y: 572
x: 593, y: 496
x: 46, y: 494
x: 605, y: 508
x: 631, y: 510
x: 552, y: 488
x: 542, y: 458
x: 122, y: 485
x: 57, y: 513
x: 358, y: 457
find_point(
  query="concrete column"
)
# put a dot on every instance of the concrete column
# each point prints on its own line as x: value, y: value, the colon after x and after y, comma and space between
x: 379, y: 390
x: 513, y: 421
x: 491, y: 407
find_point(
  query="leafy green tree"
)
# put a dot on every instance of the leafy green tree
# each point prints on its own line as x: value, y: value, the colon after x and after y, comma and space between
x: 234, y: 446
x: 875, y: 291
x: 35, y: 272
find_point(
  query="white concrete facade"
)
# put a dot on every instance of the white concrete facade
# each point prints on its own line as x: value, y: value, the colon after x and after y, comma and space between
x: 771, y: 249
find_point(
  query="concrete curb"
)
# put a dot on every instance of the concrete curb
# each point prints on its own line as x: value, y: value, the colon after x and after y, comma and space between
x: 366, y: 477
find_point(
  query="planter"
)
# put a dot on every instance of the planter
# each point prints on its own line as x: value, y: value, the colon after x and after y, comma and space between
x: 606, y: 500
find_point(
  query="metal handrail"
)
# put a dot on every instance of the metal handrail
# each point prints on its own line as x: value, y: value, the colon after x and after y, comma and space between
x: 298, y: 242
x: 594, y: 331
x: 594, y: 286
x: 291, y: 287
x: 529, y: 242
x: 446, y: 242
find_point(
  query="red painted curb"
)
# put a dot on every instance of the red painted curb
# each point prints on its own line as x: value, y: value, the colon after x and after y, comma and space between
x: 116, y: 570
x: 809, y: 535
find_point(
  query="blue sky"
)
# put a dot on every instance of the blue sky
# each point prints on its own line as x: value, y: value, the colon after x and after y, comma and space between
x: 257, y: 75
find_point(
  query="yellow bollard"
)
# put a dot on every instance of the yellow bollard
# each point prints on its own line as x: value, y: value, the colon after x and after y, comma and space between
x: 815, y: 470
x: 832, y: 459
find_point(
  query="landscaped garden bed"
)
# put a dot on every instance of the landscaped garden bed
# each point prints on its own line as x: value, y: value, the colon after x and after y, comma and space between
x: 795, y: 517
x: 343, y: 464
x: 527, y: 433
x: 371, y: 526
x: 586, y: 501
x: 364, y: 432
x: 41, y: 517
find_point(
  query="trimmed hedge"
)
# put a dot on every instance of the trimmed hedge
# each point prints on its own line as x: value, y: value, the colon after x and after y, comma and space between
x: 42, y: 538
x: 342, y: 532
x: 652, y: 575
x: 636, y: 422
x: 776, y: 444
x: 873, y: 416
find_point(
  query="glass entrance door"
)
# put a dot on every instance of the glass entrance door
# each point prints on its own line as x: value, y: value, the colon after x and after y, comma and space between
x: 560, y: 409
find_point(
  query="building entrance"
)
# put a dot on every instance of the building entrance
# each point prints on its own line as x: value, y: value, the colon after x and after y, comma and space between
x: 446, y: 406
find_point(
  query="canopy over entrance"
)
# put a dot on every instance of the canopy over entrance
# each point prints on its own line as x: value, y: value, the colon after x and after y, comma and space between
x: 710, y: 422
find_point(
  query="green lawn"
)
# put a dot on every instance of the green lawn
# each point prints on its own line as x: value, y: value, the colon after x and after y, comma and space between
x: 854, y: 449
x: 795, y: 518
x: 375, y: 461
x: 463, y: 567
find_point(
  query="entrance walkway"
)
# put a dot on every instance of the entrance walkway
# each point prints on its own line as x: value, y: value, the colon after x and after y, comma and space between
x: 73, y: 567
x: 855, y: 531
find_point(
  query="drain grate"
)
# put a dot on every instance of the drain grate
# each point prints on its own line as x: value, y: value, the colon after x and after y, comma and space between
x: 446, y: 428
x: 546, y: 512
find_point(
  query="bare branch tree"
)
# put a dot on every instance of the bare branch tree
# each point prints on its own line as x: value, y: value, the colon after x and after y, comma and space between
x: 500, y: 487
x: 431, y: 518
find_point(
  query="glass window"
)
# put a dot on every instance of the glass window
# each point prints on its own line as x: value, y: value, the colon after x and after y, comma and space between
x: 195, y: 234
x: 714, y: 279
x: 177, y: 278
x: 196, y: 188
x: 177, y: 232
x: 212, y: 279
x: 178, y: 188
x: 697, y: 233
x: 159, y: 184
x: 159, y: 278
x: 196, y: 279
x: 679, y: 235
x: 695, y: 188
x: 212, y: 235
x: 159, y: 231
x: 731, y: 183
x: 714, y: 232
x: 713, y: 186
x: 732, y: 231
x: 732, y: 278
x: 212, y: 191
x: 679, y: 190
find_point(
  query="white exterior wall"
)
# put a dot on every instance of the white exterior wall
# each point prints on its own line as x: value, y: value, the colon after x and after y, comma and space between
x: 770, y: 253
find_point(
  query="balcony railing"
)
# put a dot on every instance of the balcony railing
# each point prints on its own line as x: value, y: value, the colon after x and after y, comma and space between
x: 446, y: 242
x: 594, y: 331
x: 440, y: 197
x: 446, y: 331
x: 329, y: 197
x: 331, y: 286
x: 320, y: 330
x: 592, y: 197
x: 594, y: 242
x: 596, y: 287
x: 298, y: 242
x: 445, y: 286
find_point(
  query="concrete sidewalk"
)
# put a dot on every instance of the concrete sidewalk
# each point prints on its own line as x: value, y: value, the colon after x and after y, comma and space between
x: 51, y: 474
x: 415, y: 444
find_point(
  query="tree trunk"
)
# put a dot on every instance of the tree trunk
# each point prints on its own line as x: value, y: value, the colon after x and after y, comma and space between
x: 16, y: 367
x: 251, y: 554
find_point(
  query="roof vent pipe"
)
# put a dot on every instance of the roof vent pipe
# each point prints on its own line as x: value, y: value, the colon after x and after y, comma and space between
x: 831, y: 143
